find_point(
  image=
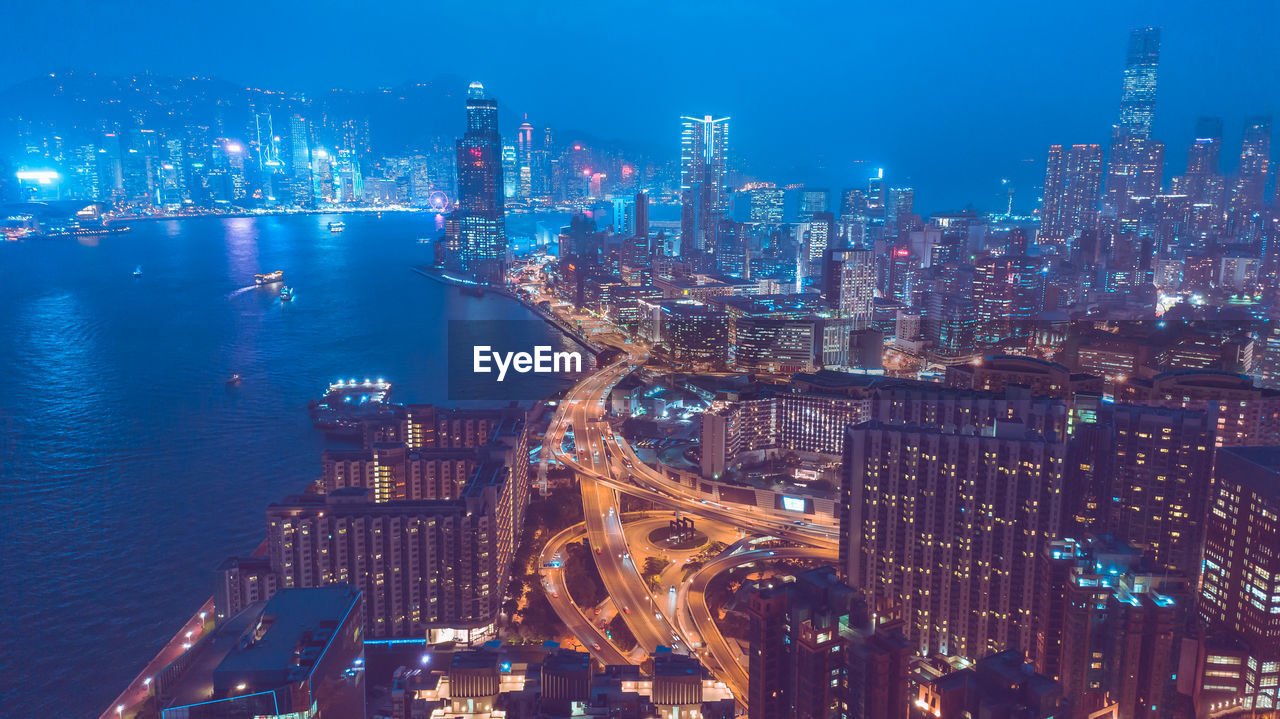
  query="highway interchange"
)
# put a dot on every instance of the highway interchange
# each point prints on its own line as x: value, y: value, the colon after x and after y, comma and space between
x: 581, y: 438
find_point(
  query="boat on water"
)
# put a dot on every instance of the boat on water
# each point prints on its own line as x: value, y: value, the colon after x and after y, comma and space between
x: 269, y: 278
x: 234, y: 380
x: 138, y: 271
x: 337, y: 226
x: 286, y: 293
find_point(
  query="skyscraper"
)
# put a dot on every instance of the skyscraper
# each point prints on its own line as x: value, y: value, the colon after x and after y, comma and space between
x: 1137, y: 161
x: 1240, y: 596
x: 623, y: 218
x: 704, y: 177
x: 704, y: 157
x: 850, y: 277
x: 1203, y: 157
x: 1206, y: 150
x: 1009, y: 294
x: 1138, y: 98
x: 481, y: 217
x: 1109, y: 626
x: 300, y: 162
x: 943, y: 529
x: 1071, y: 183
x: 510, y: 172
x: 1155, y: 466
x: 1255, y: 161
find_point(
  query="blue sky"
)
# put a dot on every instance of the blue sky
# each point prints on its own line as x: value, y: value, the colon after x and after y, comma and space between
x: 949, y: 97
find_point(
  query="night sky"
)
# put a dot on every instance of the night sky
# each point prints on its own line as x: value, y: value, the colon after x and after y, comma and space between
x: 948, y: 96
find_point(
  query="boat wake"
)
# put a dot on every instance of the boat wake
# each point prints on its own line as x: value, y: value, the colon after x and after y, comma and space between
x: 242, y: 290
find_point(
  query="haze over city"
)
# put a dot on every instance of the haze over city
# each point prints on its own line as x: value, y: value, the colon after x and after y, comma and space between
x: 948, y: 97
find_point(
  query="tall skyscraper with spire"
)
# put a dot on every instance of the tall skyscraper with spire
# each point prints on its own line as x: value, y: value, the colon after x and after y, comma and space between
x: 1137, y: 161
x: 482, y: 234
x: 1138, y: 99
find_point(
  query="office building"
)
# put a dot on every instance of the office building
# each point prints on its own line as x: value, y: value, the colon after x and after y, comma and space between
x: 1008, y: 294
x: 481, y: 216
x: 1136, y: 160
x: 704, y: 158
x: 850, y: 284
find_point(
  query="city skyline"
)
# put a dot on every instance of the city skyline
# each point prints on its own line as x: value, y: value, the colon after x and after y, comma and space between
x: 952, y: 141
x: 682, y: 427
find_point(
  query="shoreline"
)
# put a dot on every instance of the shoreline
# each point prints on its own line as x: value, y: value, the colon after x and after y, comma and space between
x: 440, y: 276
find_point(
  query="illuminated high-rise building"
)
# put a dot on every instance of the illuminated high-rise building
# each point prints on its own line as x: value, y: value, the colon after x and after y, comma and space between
x: 1240, y: 595
x: 641, y: 228
x: 899, y: 211
x: 704, y: 177
x: 173, y: 184
x: 524, y: 159
x: 877, y: 200
x: 1154, y: 467
x: 1203, y: 163
x: 1137, y: 161
x: 300, y: 161
x: 140, y: 166
x: 1138, y: 98
x: 481, y: 217
x: 853, y: 203
x: 1109, y: 626
x: 1008, y: 293
x: 624, y: 216
x: 943, y: 529
x: 510, y: 172
x: 704, y: 158
x: 813, y: 201
x: 1255, y: 163
x: 850, y: 276
x: 1072, y: 179
x: 821, y: 232
x: 766, y: 205
x: 815, y: 653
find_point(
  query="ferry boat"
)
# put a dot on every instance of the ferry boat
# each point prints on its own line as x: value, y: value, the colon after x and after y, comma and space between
x: 337, y: 226
x: 286, y: 293
x: 138, y: 272
x: 269, y: 279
